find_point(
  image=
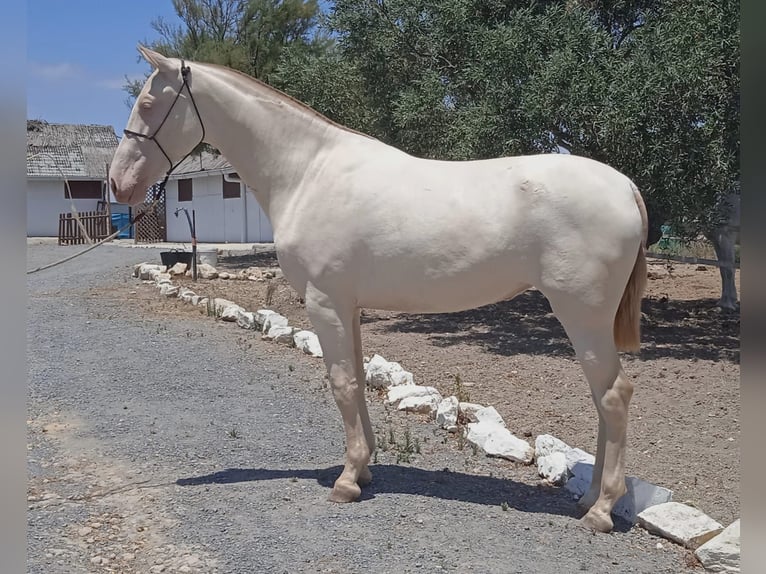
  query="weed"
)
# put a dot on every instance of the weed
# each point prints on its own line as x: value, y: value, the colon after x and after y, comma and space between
x: 290, y: 368
x: 405, y: 448
x: 233, y: 433
x: 504, y: 506
x: 459, y: 390
x: 270, y: 289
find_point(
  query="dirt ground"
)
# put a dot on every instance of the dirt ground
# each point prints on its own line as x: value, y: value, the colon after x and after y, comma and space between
x: 684, y: 429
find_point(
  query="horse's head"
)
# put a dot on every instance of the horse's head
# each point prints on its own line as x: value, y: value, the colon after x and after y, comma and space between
x: 163, y: 128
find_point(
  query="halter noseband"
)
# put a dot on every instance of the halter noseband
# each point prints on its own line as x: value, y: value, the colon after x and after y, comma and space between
x: 153, y: 137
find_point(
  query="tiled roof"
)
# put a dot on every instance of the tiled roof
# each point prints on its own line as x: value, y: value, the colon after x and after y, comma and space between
x: 204, y: 161
x: 69, y: 150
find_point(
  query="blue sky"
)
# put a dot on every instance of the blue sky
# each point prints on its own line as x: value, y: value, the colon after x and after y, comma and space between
x: 78, y: 54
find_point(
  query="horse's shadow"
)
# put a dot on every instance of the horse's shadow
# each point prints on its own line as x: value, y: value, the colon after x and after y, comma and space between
x: 671, y: 328
x: 444, y: 484
x: 678, y: 329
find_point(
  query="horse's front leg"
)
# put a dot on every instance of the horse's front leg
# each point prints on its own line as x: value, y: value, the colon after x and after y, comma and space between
x: 334, y: 322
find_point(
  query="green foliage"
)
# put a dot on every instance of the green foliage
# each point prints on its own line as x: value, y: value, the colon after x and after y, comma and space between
x: 650, y: 87
x: 247, y: 35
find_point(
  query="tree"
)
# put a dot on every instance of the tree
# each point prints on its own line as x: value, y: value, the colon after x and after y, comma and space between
x: 247, y: 35
x: 650, y: 87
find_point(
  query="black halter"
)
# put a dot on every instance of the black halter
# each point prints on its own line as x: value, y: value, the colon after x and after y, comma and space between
x: 153, y: 137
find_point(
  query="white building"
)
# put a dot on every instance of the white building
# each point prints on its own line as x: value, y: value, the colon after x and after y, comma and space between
x: 58, y: 154
x: 224, y: 209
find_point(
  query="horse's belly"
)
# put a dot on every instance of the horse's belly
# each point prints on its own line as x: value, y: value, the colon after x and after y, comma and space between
x: 420, y: 294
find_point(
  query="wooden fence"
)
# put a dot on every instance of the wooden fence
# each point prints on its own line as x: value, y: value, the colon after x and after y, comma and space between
x: 151, y: 227
x: 96, y: 223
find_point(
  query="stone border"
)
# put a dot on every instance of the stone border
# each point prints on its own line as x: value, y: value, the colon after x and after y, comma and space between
x: 648, y: 505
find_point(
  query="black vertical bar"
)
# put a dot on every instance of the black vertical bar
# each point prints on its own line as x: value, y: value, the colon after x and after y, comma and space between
x: 194, y: 246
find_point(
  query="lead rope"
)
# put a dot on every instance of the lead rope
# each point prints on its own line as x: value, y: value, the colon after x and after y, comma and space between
x: 134, y: 220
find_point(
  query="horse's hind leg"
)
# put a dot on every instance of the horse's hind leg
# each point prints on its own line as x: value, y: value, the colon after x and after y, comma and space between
x: 365, y: 476
x: 335, y: 328
x: 592, y: 336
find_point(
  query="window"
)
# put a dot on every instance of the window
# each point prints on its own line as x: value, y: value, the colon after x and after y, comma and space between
x: 184, y: 190
x: 230, y: 189
x: 83, y: 190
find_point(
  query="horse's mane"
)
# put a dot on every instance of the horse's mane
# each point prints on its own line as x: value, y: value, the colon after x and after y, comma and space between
x: 283, y: 97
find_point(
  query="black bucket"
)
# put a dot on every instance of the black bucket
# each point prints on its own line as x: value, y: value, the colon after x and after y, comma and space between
x: 170, y: 258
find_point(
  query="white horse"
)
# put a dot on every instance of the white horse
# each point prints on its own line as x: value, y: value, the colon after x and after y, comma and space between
x: 360, y: 224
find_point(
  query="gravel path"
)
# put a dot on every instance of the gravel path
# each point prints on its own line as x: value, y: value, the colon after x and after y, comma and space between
x: 189, y: 445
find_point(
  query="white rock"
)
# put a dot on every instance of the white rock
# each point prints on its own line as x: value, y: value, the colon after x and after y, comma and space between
x: 226, y: 309
x: 640, y: 495
x: 160, y: 277
x: 308, y: 342
x: 496, y: 440
x: 489, y: 415
x: 403, y: 391
x: 679, y: 522
x: 423, y: 404
x: 468, y: 410
x: 185, y: 294
x: 274, y: 320
x: 446, y: 413
x: 224, y: 275
x: 195, y: 299
x: 231, y: 313
x: 261, y: 315
x: 401, y: 378
x: 553, y: 467
x: 281, y: 334
x: 206, y: 271
x: 546, y: 444
x: 382, y: 373
x: 178, y: 269
x: 576, y: 456
x: 144, y: 271
x: 168, y: 290
x: 246, y: 320
x: 722, y: 553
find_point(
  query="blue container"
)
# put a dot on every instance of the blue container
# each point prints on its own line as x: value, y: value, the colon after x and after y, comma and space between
x: 120, y: 220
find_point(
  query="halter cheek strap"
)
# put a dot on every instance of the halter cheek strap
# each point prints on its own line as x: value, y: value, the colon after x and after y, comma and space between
x: 185, y: 71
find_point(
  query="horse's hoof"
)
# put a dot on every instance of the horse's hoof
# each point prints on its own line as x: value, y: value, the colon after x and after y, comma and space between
x: 365, y: 477
x: 344, y: 492
x: 597, y: 522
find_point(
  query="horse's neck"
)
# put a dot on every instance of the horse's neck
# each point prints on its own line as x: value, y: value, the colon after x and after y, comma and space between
x: 271, y: 144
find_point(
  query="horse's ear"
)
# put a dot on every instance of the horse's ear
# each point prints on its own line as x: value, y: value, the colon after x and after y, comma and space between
x: 157, y: 60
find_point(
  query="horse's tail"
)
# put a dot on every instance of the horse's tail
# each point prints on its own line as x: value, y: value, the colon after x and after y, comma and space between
x: 627, y: 322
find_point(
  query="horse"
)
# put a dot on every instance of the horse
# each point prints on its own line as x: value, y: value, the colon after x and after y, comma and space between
x: 361, y: 224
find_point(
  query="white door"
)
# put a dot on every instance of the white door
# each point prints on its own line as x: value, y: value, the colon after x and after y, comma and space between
x: 258, y: 225
x: 232, y: 218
